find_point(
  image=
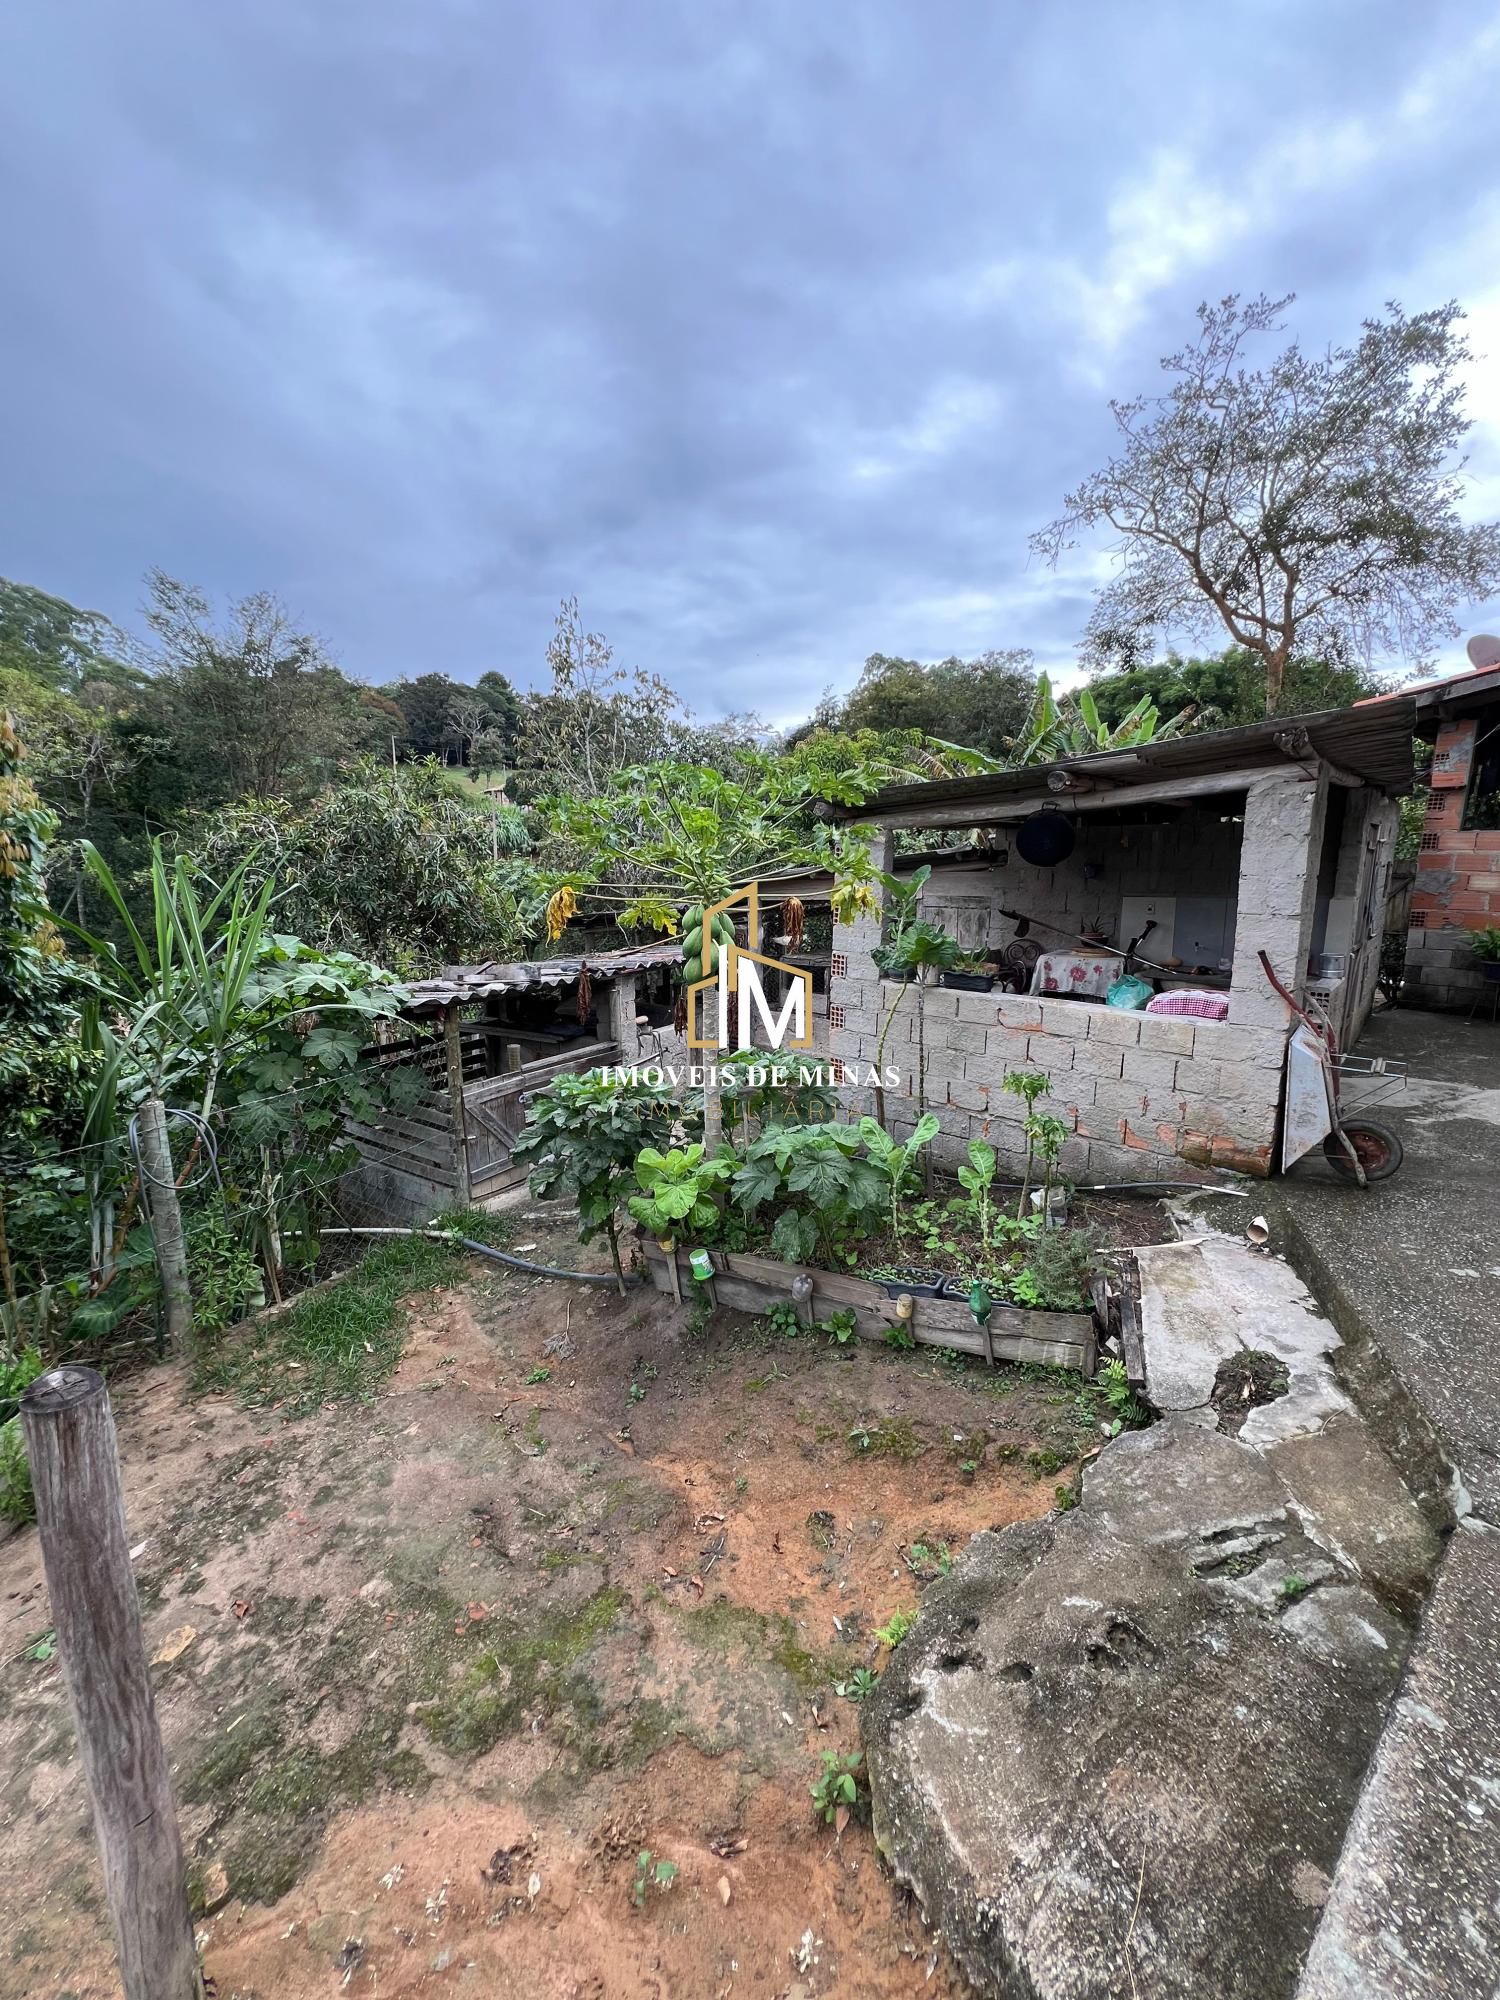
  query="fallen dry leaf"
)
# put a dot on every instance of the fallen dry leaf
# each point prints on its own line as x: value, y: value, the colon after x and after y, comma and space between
x: 213, y: 1890
x: 724, y: 1891
x: 174, y: 1646
x: 841, y: 1819
x: 241, y: 1607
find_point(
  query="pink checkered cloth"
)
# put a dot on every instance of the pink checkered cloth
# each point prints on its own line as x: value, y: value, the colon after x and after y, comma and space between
x: 1207, y: 1006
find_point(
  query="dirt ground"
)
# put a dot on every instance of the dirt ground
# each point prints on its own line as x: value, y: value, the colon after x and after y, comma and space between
x: 459, y: 1656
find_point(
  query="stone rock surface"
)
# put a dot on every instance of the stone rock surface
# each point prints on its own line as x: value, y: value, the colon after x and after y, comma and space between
x: 1413, y: 1911
x: 1118, y: 1752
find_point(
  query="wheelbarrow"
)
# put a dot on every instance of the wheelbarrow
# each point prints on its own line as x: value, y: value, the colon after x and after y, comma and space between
x: 1358, y: 1148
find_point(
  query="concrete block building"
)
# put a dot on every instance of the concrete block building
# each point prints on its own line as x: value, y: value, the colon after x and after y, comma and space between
x: 1277, y: 838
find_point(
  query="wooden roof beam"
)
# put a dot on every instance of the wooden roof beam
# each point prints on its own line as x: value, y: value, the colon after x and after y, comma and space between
x: 1007, y: 810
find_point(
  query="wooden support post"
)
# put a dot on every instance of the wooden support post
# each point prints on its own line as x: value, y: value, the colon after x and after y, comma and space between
x: 75, y: 1473
x: 160, y: 1186
x: 455, y: 1064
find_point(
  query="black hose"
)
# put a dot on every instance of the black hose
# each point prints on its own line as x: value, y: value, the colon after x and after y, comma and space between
x: 545, y: 1270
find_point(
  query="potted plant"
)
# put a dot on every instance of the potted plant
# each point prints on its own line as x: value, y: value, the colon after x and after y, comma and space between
x: 923, y: 1281
x: 1485, y: 946
x: 971, y: 972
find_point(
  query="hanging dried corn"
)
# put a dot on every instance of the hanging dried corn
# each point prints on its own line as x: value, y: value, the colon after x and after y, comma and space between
x: 793, y: 921
x: 585, y: 994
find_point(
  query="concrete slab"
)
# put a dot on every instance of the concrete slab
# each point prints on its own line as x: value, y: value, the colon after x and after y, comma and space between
x: 1415, y: 1262
x: 1210, y: 1295
x: 1412, y: 1914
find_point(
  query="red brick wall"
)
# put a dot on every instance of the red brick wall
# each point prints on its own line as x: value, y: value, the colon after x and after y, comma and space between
x: 1457, y: 889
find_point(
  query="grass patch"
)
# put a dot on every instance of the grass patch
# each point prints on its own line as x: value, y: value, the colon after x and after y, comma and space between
x: 526, y: 1669
x: 343, y: 1342
x: 770, y: 1636
x: 891, y: 1437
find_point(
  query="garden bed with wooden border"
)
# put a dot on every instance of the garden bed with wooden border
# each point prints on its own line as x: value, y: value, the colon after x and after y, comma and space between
x: 754, y: 1284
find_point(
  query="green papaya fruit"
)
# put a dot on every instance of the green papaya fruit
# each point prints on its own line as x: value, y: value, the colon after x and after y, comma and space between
x: 692, y: 970
x: 723, y: 928
x: 694, y: 918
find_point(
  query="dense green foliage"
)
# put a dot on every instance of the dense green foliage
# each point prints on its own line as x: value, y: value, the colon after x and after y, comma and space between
x: 980, y: 704
x: 396, y: 865
x: 1229, y: 689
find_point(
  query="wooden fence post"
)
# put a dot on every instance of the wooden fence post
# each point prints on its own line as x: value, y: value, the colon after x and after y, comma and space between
x: 75, y: 1474
x: 160, y: 1188
x: 454, y: 1054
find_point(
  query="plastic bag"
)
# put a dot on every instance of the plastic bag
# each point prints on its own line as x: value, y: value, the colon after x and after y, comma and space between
x: 1128, y: 992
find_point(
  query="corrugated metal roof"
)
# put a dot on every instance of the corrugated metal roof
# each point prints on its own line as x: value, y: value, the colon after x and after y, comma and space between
x: 477, y: 982
x: 1373, y: 740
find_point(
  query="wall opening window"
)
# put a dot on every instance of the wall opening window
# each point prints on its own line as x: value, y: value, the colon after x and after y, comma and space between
x: 1482, y: 803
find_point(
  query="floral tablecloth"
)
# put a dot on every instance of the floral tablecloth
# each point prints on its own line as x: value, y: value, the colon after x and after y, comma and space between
x: 1079, y: 973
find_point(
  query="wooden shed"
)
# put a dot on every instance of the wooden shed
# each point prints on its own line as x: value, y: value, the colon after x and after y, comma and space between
x: 474, y: 1043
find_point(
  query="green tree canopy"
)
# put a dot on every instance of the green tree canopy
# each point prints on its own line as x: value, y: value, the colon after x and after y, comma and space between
x: 251, y: 705
x: 57, y: 644
x: 1229, y: 688
x: 396, y: 866
x: 978, y: 704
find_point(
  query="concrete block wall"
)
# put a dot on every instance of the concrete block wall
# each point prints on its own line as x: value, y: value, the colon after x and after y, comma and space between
x: 1143, y: 1097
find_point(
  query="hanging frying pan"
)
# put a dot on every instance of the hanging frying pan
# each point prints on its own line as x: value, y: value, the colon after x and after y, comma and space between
x: 1045, y: 837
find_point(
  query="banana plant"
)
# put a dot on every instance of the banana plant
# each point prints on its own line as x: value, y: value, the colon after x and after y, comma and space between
x: 1071, y: 726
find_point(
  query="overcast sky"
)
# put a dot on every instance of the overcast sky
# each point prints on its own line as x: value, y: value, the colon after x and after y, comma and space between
x: 771, y: 329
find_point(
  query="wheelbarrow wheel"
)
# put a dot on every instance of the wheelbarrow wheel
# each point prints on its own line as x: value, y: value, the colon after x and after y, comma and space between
x: 1380, y: 1151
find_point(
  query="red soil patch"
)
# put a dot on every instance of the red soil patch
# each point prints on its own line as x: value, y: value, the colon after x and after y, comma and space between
x: 499, y: 1628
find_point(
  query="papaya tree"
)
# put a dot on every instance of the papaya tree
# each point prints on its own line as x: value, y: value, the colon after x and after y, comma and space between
x: 661, y: 841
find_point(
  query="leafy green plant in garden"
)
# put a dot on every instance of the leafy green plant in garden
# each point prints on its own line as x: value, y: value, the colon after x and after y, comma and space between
x: 823, y: 1190
x: 1056, y: 1273
x: 650, y: 1874
x: 17, y: 1502
x: 895, y: 1159
x: 204, y: 1008
x: 1126, y: 1414
x: 860, y: 1685
x: 925, y: 949
x: 976, y: 1179
x: 759, y: 1085
x: 1045, y: 1138
x: 895, y: 1628
x: 680, y: 1187
x: 835, y: 1790
x: 1028, y: 1085
x: 583, y: 1136
x: 17, y: 1371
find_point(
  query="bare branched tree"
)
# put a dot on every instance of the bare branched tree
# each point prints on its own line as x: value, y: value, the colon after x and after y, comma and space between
x: 1310, y: 508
